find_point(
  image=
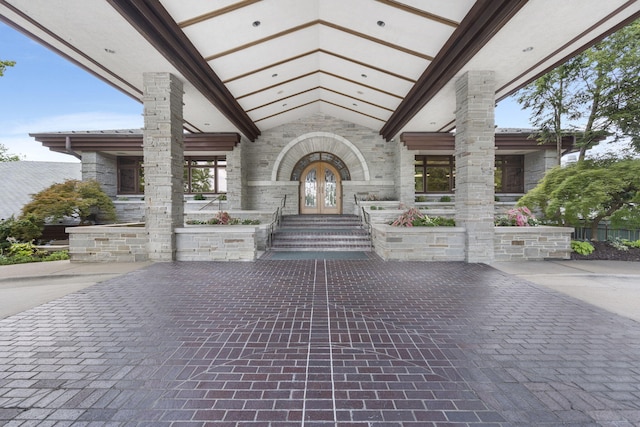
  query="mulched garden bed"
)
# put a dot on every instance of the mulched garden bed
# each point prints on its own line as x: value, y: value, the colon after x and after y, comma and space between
x: 605, y: 251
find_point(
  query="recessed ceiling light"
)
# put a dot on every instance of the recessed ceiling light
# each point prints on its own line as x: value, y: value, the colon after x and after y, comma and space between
x: 355, y: 105
x: 380, y: 23
x: 274, y: 75
x: 256, y: 23
x: 528, y: 49
x: 364, y: 76
x: 207, y: 124
x: 106, y: 49
x: 360, y: 92
x: 284, y: 105
x: 280, y: 92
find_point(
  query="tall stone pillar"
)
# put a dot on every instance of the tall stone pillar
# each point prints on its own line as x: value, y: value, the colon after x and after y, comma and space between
x: 163, y: 146
x: 405, y: 170
x: 475, y: 160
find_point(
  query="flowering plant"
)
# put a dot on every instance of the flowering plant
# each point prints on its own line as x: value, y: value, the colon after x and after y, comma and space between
x: 520, y: 217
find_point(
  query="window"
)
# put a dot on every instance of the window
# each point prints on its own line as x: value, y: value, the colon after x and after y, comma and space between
x: 201, y: 175
x: 509, y: 174
x: 130, y: 175
x: 434, y: 174
x: 205, y: 175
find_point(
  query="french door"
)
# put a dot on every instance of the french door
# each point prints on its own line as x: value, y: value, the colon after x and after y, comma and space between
x: 320, y: 190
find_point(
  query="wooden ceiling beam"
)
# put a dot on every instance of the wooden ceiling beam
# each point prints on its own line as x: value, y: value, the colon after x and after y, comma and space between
x: 483, y: 21
x: 156, y: 25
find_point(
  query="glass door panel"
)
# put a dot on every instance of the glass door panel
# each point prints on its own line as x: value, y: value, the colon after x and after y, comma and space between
x: 320, y: 190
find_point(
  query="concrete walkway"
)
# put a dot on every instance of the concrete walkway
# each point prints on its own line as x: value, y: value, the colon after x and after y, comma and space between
x: 23, y: 286
x: 612, y: 285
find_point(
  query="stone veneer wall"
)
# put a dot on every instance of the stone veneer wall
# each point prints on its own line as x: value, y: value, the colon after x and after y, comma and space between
x: 102, y: 168
x: 448, y: 243
x: 536, y: 165
x: 419, y: 243
x: 532, y: 243
x: 108, y: 243
x: 224, y: 243
x: 260, y: 162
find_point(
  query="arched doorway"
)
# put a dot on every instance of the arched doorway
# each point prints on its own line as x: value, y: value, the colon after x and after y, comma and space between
x: 320, y: 189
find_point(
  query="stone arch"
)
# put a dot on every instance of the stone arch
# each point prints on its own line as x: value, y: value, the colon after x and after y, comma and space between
x: 316, y: 142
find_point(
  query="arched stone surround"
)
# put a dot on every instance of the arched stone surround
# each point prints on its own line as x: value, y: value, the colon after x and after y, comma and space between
x: 320, y: 141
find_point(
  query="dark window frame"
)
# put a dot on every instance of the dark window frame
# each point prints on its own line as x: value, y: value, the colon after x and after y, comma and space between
x: 434, y: 162
x: 136, y: 164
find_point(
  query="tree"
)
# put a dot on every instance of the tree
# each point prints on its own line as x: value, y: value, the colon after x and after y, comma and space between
x: 4, y: 65
x: 588, y: 192
x: 553, y: 100
x: 594, y: 95
x: 81, y: 199
x: 7, y: 157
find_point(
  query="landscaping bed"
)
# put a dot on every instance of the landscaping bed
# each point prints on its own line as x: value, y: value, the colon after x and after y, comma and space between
x: 604, y: 251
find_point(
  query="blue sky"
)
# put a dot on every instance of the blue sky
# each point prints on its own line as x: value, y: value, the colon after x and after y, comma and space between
x: 44, y: 92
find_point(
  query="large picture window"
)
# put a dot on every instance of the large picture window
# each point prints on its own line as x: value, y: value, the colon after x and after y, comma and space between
x: 434, y: 174
x: 205, y: 175
x: 201, y: 175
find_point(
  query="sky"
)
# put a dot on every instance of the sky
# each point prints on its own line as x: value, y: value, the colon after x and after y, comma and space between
x: 44, y: 92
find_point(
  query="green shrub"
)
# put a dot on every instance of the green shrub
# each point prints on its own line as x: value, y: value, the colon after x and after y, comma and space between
x: 617, y: 243
x: 56, y: 256
x: 631, y: 244
x: 199, y: 196
x: 421, y: 199
x: 25, y: 229
x: 582, y: 248
x: 445, y: 199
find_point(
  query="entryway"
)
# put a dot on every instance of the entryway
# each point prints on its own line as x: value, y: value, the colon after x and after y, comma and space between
x: 320, y: 190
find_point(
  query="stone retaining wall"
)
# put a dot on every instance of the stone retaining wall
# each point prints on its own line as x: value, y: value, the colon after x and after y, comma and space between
x: 418, y: 243
x: 448, y: 243
x: 128, y: 243
x: 216, y: 243
x: 108, y: 243
x: 532, y: 243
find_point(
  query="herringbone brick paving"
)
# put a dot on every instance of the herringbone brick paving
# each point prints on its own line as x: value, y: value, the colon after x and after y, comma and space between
x: 318, y: 343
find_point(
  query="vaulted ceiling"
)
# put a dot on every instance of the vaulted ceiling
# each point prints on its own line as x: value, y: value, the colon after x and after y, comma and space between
x: 251, y: 65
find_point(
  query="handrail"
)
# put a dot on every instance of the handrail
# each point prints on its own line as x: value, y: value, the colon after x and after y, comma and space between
x: 276, y: 220
x: 218, y: 199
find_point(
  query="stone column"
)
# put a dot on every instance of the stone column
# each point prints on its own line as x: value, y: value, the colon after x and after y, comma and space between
x: 103, y: 168
x: 163, y: 145
x: 405, y: 170
x: 475, y: 161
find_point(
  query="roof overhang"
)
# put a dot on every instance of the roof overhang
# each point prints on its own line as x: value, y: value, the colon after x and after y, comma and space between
x: 249, y: 66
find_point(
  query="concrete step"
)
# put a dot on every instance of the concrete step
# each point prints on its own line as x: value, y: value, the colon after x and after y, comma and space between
x: 321, y: 233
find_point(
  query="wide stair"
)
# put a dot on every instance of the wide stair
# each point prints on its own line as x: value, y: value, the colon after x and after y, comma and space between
x: 321, y: 233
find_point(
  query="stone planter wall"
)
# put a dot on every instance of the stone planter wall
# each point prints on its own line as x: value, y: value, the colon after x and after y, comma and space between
x: 108, y: 243
x: 448, y: 243
x: 419, y: 243
x: 216, y: 243
x: 128, y: 243
x: 532, y: 243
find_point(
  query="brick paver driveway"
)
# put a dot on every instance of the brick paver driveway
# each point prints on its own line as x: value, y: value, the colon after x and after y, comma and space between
x: 318, y: 343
